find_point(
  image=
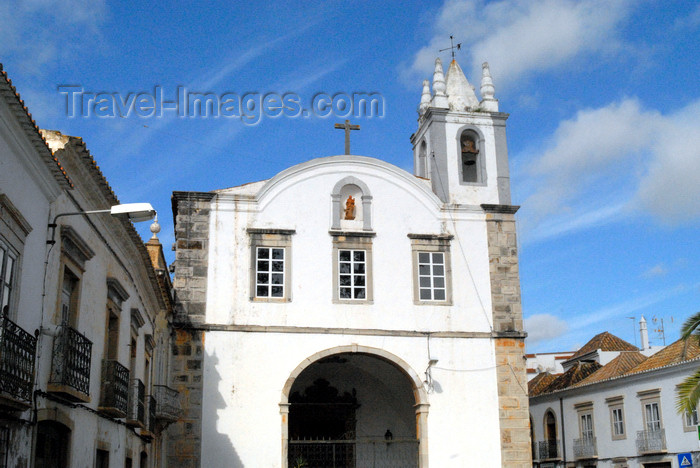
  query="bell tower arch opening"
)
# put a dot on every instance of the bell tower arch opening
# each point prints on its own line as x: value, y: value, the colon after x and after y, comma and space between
x: 351, y: 409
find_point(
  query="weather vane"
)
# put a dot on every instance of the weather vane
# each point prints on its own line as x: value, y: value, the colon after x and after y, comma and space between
x: 452, y: 47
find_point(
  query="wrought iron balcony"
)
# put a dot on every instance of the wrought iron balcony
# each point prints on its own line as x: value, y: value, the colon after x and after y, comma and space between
x: 115, y: 388
x: 167, y: 403
x: 585, y: 448
x: 651, y: 441
x: 136, y: 413
x: 70, y: 366
x: 17, y: 352
x: 548, y: 449
x: 151, y: 419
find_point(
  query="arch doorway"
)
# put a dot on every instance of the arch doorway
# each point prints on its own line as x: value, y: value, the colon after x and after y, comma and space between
x: 354, y: 410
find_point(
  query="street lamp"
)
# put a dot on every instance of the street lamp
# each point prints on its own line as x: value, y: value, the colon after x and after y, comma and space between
x: 134, y: 212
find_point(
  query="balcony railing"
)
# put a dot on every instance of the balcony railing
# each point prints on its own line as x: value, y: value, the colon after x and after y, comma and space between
x: 115, y: 389
x: 167, y: 403
x: 136, y: 413
x: 585, y: 448
x: 534, y: 454
x: 151, y: 419
x: 548, y: 449
x: 70, y: 367
x: 400, y: 453
x: 17, y: 351
x: 651, y: 441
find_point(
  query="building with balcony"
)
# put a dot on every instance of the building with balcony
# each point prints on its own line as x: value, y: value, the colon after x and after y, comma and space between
x: 85, y: 310
x: 614, y: 407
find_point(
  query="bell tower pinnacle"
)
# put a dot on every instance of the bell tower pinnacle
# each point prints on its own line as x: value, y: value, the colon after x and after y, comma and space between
x: 460, y: 144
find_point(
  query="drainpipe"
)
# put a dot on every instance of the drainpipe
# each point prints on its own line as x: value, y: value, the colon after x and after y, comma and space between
x: 563, y: 431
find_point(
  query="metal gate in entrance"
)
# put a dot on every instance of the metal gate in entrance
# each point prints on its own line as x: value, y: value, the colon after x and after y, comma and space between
x: 399, y: 453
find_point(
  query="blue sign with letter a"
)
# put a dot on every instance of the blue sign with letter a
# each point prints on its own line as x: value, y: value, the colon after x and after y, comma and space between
x: 685, y: 459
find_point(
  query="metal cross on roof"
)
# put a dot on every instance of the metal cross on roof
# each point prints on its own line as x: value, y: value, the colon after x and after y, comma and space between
x: 347, y: 127
x: 452, y: 47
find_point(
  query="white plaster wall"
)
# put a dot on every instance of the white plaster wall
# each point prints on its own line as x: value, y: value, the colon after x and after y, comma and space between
x: 401, y: 205
x: 244, y: 376
x: 28, y: 184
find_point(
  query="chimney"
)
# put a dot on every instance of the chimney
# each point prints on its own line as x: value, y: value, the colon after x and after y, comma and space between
x: 643, y: 333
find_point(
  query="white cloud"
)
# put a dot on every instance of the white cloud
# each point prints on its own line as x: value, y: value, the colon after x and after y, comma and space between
x: 518, y: 37
x: 44, y: 32
x: 542, y: 327
x: 618, y: 159
x: 655, y: 271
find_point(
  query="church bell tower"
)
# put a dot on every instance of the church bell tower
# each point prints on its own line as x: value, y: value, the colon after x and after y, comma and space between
x: 460, y: 144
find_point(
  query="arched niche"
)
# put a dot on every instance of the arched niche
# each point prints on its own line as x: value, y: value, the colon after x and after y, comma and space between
x: 351, y: 213
x: 422, y: 169
x: 470, y: 149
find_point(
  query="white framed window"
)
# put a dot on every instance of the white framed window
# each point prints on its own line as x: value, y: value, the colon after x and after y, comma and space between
x: 652, y: 416
x: 270, y: 268
x: 8, y: 272
x: 431, y: 268
x: 651, y: 409
x: 432, y: 285
x: 690, y: 420
x: 618, y: 422
x: 586, y: 426
x: 269, y: 272
x: 352, y: 267
x: 617, y: 417
x: 352, y: 274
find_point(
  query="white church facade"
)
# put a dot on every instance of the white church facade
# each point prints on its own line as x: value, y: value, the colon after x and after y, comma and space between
x: 348, y: 313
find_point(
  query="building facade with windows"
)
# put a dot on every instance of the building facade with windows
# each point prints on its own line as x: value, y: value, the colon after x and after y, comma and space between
x: 346, y: 312
x: 617, y: 415
x: 86, y: 306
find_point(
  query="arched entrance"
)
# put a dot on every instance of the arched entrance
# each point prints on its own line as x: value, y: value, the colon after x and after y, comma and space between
x: 354, y: 407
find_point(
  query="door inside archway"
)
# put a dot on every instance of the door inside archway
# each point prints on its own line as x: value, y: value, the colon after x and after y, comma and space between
x: 352, y: 410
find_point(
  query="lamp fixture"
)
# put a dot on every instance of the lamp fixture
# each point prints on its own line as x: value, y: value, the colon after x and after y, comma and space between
x: 134, y: 212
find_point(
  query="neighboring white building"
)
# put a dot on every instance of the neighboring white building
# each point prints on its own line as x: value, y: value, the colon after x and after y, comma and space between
x: 347, y: 313
x: 617, y: 415
x: 538, y: 363
x: 85, y: 337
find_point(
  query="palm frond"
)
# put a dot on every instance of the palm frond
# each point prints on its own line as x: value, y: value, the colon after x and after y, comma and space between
x: 688, y: 393
x: 691, y: 325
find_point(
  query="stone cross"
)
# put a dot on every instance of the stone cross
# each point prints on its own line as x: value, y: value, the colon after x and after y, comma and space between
x: 347, y: 127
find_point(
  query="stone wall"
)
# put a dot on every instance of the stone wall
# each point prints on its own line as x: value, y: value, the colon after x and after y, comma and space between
x: 509, y: 336
x: 191, y: 214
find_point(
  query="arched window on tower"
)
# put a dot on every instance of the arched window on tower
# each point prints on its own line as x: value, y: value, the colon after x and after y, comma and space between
x: 469, y: 149
x: 422, y: 160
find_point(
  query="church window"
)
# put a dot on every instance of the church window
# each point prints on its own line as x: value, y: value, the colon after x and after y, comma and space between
x: 269, y: 272
x: 431, y: 268
x: 470, y: 157
x: 431, y: 276
x: 352, y: 267
x: 271, y: 264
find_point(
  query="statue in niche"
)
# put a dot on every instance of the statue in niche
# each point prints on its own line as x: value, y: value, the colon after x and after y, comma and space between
x: 350, y: 208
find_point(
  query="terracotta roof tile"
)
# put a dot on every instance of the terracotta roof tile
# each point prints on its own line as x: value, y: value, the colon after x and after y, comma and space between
x: 25, y: 120
x: 674, y: 353
x: 574, y: 375
x: 606, y: 342
x: 617, y: 367
x: 540, y: 382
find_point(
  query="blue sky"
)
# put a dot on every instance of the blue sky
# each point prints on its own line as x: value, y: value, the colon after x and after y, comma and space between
x: 604, y: 133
